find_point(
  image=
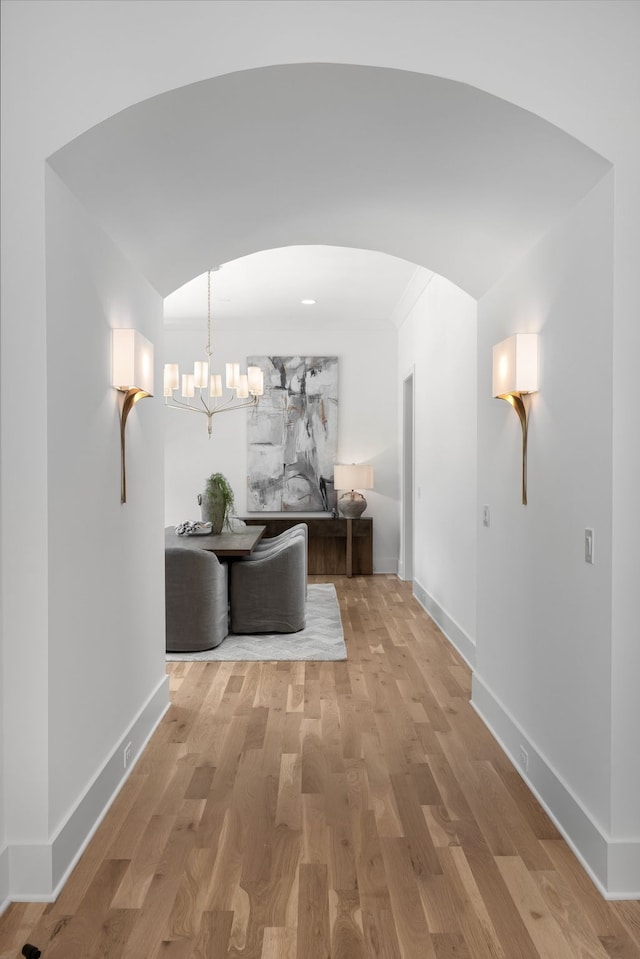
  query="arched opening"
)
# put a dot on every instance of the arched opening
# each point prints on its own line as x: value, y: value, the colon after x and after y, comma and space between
x: 426, y: 170
x: 422, y: 168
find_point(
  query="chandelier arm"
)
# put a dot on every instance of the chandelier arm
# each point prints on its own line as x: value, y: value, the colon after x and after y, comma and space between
x: 209, y: 410
x: 174, y: 404
x: 240, y: 406
x: 233, y: 404
x: 226, y: 407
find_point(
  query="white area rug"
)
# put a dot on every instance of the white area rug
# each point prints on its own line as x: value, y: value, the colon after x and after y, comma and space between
x: 321, y: 639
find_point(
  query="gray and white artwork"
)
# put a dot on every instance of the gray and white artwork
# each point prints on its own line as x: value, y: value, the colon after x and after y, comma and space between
x: 293, y: 434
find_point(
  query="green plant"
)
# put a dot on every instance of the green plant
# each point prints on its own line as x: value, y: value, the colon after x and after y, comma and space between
x: 218, y: 495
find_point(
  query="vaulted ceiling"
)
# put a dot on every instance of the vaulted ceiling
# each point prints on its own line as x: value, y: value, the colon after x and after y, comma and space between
x: 427, y: 170
x: 361, y: 289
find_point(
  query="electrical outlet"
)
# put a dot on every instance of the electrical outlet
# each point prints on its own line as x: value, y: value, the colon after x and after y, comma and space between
x: 524, y: 758
x: 588, y: 546
x: 486, y: 516
x: 127, y: 754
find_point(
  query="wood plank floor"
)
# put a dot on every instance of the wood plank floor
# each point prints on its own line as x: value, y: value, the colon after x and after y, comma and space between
x: 355, y: 810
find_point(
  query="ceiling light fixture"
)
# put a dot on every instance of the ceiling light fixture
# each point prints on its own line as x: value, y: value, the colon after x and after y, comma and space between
x: 308, y: 302
x: 209, y: 385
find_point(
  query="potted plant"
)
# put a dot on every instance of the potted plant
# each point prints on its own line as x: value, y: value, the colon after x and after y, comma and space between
x: 217, y: 502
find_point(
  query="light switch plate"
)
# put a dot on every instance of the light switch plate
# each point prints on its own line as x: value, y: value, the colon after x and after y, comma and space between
x: 588, y: 546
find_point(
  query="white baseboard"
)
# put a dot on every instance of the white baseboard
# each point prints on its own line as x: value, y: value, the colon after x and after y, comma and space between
x: 4, y: 879
x: 38, y: 871
x: 386, y: 564
x: 454, y: 633
x: 613, y: 864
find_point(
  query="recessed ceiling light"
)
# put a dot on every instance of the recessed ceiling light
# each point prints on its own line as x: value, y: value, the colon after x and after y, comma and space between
x: 308, y: 302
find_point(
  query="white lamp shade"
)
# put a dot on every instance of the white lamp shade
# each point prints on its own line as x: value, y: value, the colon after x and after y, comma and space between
x: 515, y: 365
x: 132, y: 361
x: 232, y: 375
x: 171, y: 378
x: 255, y: 377
x: 187, y: 385
x: 215, y: 385
x: 201, y: 375
x: 242, y: 389
x: 353, y: 476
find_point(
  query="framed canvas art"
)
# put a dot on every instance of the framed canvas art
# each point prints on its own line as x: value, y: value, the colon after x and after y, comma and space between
x: 292, y: 435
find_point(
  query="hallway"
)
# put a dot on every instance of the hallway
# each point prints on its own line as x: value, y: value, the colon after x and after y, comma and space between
x: 311, y: 810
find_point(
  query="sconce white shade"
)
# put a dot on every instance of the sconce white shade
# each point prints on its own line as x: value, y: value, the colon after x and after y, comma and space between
x: 132, y: 361
x: 515, y: 365
x: 353, y: 476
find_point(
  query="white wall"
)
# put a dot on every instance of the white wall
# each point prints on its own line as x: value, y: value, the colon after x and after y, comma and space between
x: 543, y: 664
x: 367, y: 418
x: 91, y: 289
x: 438, y: 342
x: 104, y: 646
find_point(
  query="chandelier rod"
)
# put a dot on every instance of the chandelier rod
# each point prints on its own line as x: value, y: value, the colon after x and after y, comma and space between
x: 209, y: 350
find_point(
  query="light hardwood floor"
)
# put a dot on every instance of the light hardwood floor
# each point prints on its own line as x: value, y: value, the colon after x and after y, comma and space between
x: 352, y: 810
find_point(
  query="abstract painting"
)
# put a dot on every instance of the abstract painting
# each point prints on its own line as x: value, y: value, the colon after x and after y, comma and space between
x: 293, y: 434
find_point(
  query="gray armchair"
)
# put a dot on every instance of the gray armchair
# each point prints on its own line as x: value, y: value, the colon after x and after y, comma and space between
x: 300, y: 529
x: 268, y: 589
x: 196, y: 599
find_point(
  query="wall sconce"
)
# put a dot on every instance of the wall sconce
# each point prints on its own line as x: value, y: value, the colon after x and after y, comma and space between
x: 132, y: 374
x: 352, y: 504
x: 515, y: 375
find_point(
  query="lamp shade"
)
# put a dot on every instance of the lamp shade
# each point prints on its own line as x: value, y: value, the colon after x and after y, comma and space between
x: 188, y: 387
x: 215, y: 385
x: 255, y: 380
x: 232, y: 375
x: 201, y: 375
x: 171, y: 378
x: 353, y: 476
x: 132, y: 361
x: 515, y: 365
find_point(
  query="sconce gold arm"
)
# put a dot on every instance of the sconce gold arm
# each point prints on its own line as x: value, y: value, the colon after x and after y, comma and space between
x: 516, y: 401
x: 131, y: 397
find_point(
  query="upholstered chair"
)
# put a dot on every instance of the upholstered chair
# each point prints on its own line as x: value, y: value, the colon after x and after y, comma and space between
x: 196, y: 599
x: 300, y: 529
x: 268, y: 589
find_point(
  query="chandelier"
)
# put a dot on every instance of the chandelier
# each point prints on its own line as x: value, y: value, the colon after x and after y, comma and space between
x: 248, y: 386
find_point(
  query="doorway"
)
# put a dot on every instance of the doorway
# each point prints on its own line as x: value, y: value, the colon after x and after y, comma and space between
x: 406, y: 562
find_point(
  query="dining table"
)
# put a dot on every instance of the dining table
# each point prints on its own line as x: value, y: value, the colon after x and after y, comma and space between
x: 225, y: 545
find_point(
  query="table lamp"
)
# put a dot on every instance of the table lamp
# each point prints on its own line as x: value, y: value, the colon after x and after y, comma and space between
x: 347, y: 477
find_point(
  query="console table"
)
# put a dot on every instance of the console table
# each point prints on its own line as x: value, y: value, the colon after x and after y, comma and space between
x: 336, y: 546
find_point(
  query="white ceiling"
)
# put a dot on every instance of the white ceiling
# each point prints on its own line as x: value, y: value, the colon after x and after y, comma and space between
x: 423, y: 168
x: 352, y: 288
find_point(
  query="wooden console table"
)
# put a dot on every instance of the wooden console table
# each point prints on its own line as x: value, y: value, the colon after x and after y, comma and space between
x: 336, y: 546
